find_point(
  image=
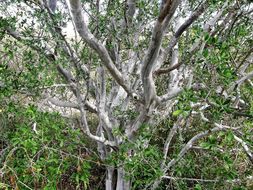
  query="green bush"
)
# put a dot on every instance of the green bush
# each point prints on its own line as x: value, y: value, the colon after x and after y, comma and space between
x: 39, y: 151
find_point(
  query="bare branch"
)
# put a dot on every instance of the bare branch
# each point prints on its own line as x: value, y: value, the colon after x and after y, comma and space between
x: 237, y: 83
x: 187, y: 147
x: 201, y: 180
x: 245, y: 147
x: 190, y: 143
x: 190, y: 179
x: 85, y: 126
x: 167, y: 70
x: 165, y: 10
x: 102, y: 103
x: 68, y: 76
x: 131, y: 7
x: 89, y: 38
x: 172, y: 133
x: 52, y: 5
x: 60, y: 103
x: 194, y: 16
x: 170, y: 95
x: 153, y: 51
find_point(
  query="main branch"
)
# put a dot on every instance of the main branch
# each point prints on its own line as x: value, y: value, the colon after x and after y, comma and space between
x: 90, y: 39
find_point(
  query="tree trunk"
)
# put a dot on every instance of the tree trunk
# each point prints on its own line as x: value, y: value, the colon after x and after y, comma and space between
x: 122, y: 182
x: 116, y: 180
x: 109, y: 181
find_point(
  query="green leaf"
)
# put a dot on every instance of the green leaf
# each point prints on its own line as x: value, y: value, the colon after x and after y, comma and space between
x: 230, y: 137
x: 177, y: 112
x: 205, y: 53
x: 197, y: 187
x: 205, y: 145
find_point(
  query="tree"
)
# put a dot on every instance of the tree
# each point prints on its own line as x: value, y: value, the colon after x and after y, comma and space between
x: 141, y: 67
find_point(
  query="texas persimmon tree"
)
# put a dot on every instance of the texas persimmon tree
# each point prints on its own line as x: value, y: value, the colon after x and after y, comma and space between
x: 165, y: 79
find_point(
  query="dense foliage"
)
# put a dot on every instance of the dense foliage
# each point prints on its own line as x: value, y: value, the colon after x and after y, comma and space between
x: 38, y: 150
